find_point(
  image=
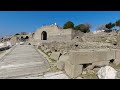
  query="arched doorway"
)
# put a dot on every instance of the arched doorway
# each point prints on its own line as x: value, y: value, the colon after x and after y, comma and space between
x: 44, y: 35
x: 27, y: 37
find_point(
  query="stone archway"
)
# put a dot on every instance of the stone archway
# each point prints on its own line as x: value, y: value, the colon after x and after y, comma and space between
x: 44, y: 35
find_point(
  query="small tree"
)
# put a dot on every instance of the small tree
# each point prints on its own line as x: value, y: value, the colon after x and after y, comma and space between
x: 83, y: 28
x: 68, y: 24
x: 17, y: 34
x: 109, y: 26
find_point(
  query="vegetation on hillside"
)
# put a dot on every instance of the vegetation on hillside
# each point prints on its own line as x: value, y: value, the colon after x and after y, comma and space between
x: 82, y: 27
x: 68, y: 24
x: 108, y: 27
x: 16, y: 34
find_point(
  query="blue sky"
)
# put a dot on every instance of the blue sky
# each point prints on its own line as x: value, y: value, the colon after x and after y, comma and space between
x: 12, y: 22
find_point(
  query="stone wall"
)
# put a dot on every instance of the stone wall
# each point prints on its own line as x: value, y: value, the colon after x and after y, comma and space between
x: 77, y: 35
x: 73, y: 45
x: 54, y: 33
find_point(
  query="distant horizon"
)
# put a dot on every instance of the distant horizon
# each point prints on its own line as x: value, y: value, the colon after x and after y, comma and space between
x: 12, y: 22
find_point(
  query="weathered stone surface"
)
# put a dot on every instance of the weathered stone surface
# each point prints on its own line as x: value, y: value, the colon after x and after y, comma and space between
x: 55, y: 75
x: 43, y: 48
x: 84, y: 72
x: 22, y: 69
x: 90, y: 67
x: 117, y: 59
x: 118, y: 40
x: 54, y: 33
x: 96, y: 69
x: 49, y: 54
x: 55, y: 55
x: 61, y: 65
x: 23, y: 60
x: 63, y: 58
x: 90, y: 71
x: 47, y: 51
x: 81, y: 57
x: 97, y: 64
x: 73, y: 70
x: 61, y: 62
x: 64, y: 53
x: 104, y: 54
x: 101, y: 63
x: 84, y: 56
x: 79, y: 78
x: 118, y: 74
x: 107, y: 72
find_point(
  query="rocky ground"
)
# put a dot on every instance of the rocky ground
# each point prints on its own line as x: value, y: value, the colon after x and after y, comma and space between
x: 90, y: 74
x: 52, y: 73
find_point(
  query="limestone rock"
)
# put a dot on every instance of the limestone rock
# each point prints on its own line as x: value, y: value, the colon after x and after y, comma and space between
x: 49, y: 54
x: 107, y: 72
x: 79, y: 78
x: 73, y: 71
x: 90, y: 67
x: 84, y: 72
x: 43, y: 48
x: 118, y: 74
x: 55, y: 75
x: 90, y: 71
x: 55, y: 55
x: 61, y: 62
x: 47, y: 51
x: 96, y: 69
x: 61, y: 65
x: 101, y: 63
x: 117, y: 59
x: 63, y: 58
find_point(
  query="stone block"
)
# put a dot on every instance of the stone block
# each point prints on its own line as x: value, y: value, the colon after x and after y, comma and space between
x: 61, y: 65
x: 81, y: 57
x: 101, y: 63
x: 90, y: 67
x: 96, y: 69
x: 118, y: 40
x: 86, y: 56
x: 117, y: 57
x: 55, y: 55
x: 47, y: 51
x: 9, y: 71
x: 104, y: 54
x: 90, y: 71
x: 61, y: 62
x: 49, y: 54
x: 73, y: 71
x: 63, y: 58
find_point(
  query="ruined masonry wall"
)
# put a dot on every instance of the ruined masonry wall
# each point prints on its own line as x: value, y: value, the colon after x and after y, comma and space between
x: 54, y: 33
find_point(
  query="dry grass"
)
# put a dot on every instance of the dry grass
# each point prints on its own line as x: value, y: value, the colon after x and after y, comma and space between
x: 115, y: 66
x: 89, y: 76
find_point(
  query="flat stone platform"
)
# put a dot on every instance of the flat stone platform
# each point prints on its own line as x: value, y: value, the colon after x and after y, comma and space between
x: 23, y: 60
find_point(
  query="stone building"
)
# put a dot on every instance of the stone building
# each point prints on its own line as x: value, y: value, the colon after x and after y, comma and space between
x: 56, y: 33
